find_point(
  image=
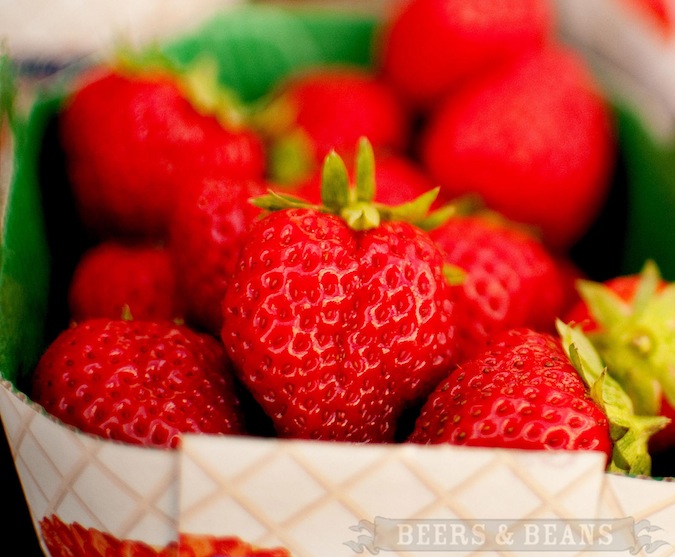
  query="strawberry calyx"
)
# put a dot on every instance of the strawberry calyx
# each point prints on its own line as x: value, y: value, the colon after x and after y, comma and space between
x: 629, y: 430
x: 636, y: 338
x: 355, y: 202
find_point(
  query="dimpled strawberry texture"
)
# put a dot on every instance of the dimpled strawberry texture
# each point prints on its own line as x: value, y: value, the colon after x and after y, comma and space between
x: 130, y: 144
x: 141, y: 382
x: 336, y: 331
x: 511, y: 279
x: 521, y: 392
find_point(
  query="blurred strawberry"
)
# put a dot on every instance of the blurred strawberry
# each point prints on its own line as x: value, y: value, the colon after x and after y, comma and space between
x: 205, y: 239
x: 133, y: 136
x: 534, y: 140
x: 113, y: 279
x: 329, y: 108
x: 431, y: 47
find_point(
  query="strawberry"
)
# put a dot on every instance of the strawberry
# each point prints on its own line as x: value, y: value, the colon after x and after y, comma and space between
x: 429, y: 48
x: 337, y: 319
x: 511, y: 279
x: 112, y: 279
x: 142, y: 382
x: 629, y: 319
x: 534, y: 140
x: 132, y: 138
x: 524, y: 392
x: 328, y: 108
x: 205, y: 238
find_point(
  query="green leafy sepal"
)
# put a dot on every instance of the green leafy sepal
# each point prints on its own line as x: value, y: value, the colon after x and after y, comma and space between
x: 629, y: 431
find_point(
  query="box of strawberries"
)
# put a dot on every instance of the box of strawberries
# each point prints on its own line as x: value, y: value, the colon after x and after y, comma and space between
x: 308, y: 282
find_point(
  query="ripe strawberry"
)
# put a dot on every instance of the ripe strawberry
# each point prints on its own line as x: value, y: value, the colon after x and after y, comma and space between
x: 205, y: 238
x: 141, y: 382
x: 112, y: 279
x: 431, y: 47
x: 524, y: 392
x: 511, y: 279
x: 133, y: 137
x: 630, y: 321
x: 329, y: 108
x: 337, y: 324
x: 535, y: 141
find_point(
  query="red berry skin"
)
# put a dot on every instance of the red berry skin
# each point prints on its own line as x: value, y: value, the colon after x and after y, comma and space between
x: 430, y: 48
x: 205, y: 239
x: 141, y: 382
x: 335, y: 331
x: 112, y: 278
x: 521, y: 392
x: 132, y: 141
x: 336, y: 106
x: 535, y: 141
x: 511, y: 279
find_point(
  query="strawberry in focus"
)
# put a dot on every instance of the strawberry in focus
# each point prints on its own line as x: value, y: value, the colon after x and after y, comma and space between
x: 430, y: 48
x: 140, y: 382
x: 132, y: 137
x: 112, y: 279
x: 535, y: 140
x: 511, y: 279
x: 337, y: 319
x: 536, y: 391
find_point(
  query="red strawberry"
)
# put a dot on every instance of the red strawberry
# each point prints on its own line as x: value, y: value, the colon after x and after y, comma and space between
x: 206, y: 235
x: 630, y: 321
x: 132, y: 138
x: 431, y: 47
x: 523, y: 392
x: 511, y: 279
x: 112, y: 279
x: 337, y: 324
x: 329, y: 108
x: 535, y: 141
x: 141, y: 382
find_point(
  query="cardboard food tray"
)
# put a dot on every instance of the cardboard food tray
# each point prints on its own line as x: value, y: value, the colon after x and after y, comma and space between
x: 315, y: 499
